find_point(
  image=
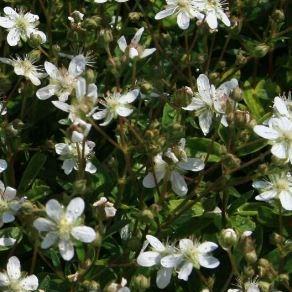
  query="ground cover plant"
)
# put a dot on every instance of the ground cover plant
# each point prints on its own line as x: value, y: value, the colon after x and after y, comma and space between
x: 145, y: 145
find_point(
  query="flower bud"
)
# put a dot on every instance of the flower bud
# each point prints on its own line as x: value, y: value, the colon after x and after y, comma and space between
x: 147, y: 215
x: 261, y: 50
x: 237, y: 94
x: 107, y: 35
x: 90, y: 76
x: 249, y: 271
x: 278, y: 15
x: 277, y: 239
x: 80, y: 186
x: 135, y: 16
x: 228, y: 238
x: 284, y: 278
x: 92, y: 22
x: 265, y: 286
x: 35, y: 40
x: 92, y: 286
x: 141, y: 283
x: 251, y: 257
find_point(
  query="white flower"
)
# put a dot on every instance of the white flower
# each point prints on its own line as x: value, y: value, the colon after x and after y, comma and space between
x: 109, y: 209
x: 84, y: 103
x: 134, y: 49
x: 279, y: 134
x: 20, y: 26
x: 213, y: 9
x: 250, y: 286
x: 103, y: 1
x: 279, y: 186
x: 12, y: 280
x: 25, y: 67
x: 116, y: 105
x: 9, y: 204
x: 177, y: 163
x: 191, y: 254
x: 73, y: 152
x: 7, y: 241
x: 3, y: 165
x: 283, y: 106
x: 154, y: 257
x: 210, y: 101
x: 184, y: 9
x: 64, y: 227
x: 62, y: 81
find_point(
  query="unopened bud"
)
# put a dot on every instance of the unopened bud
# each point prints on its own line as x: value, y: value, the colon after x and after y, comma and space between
x: 265, y: 286
x: 135, y: 16
x: 228, y: 238
x: 147, y: 215
x: 251, y: 257
x: 277, y: 238
x: 35, y: 40
x: 249, y: 272
x: 278, y: 15
x: 237, y: 94
x: 80, y: 186
x: 90, y: 76
x: 141, y: 283
x: 107, y: 35
x: 261, y: 50
x: 284, y: 278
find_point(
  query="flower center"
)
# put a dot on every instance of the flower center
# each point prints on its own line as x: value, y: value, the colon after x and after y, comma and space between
x: 3, y: 206
x: 64, y: 227
x: 192, y: 254
x: 183, y: 4
x: 21, y: 23
x: 282, y: 184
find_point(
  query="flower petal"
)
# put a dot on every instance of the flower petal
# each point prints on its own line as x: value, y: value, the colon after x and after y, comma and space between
x: 13, y: 268
x: 137, y: 36
x: 266, y: 132
x: 147, y: 52
x: 77, y: 65
x: 286, y: 200
x: 9, y: 194
x: 6, y: 22
x: 148, y: 258
x: 165, y: 13
x: 49, y: 240
x: 43, y: 225
x: 122, y: 43
x: 54, y: 210
x: 208, y: 261
x: 207, y: 246
x: 13, y: 37
x: 123, y: 111
x: 183, y: 20
x: 163, y: 277
x: 185, y: 271
x: 155, y: 243
x: 84, y: 233
x: 75, y: 208
x: 279, y: 150
x: 171, y: 261
x: 66, y: 250
x: 4, y: 280
x: 130, y: 96
x: 46, y: 92
x: 193, y: 164
x: 29, y: 283
x: 68, y: 166
x: 178, y: 183
x: 211, y: 19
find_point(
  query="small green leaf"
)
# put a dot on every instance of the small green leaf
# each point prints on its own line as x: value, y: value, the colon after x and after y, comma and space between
x: 32, y: 170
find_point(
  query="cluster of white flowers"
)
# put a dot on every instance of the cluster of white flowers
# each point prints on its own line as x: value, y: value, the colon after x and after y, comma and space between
x: 278, y: 129
x: 170, y: 166
x: 64, y: 227
x: 21, y: 26
x: 209, y: 101
x: 12, y: 280
x: 188, y: 255
x: 209, y: 10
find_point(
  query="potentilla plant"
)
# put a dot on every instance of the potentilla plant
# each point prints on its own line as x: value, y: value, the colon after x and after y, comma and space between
x: 64, y: 227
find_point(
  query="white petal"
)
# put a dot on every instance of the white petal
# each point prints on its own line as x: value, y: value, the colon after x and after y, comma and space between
x: 123, y: 111
x: 9, y: 193
x: 195, y: 104
x: 10, y: 11
x: 185, y: 271
x: 6, y: 241
x: 68, y: 166
x: 54, y: 210
x: 80, y: 88
x: 149, y: 180
x: 100, y: 114
x: 77, y: 137
x: 208, y: 261
x: 41, y: 35
x: 266, y: 132
x: 224, y: 18
x: 171, y: 261
x: 83, y: 233
x: 6, y: 22
x: 43, y: 225
x: 193, y: 164
x: 183, y: 20
x: 66, y: 250
x: 155, y: 243
x: 90, y: 167
x: 49, y: 240
x: 31, y: 17
x: 163, y: 277
x: 13, y: 268
x: 148, y: 258
x: 8, y: 217
x: 185, y: 244
x: 130, y: 96
x: 207, y: 246
x: 281, y: 106
x: 13, y: 37
x: 61, y: 105
x: 46, y: 92
x: 133, y: 53
x: 137, y: 36
x: 92, y: 92
x: 34, y: 79
x: 77, y: 65
x: 211, y: 19
x: 164, y: 13
x: 75, y: 208
x: 261, y: 184
x: 286, y: 200
x: 147, y: 52
x: 52, y: 70
x: 178, y: 183
x: 4, y: 280
x: 205, y: 121
x: 30, y: 283
x: 122, y: 43
x: 62, y: 149
x: 266, y: 196
x: 279, y: 150
x: 204, y: 88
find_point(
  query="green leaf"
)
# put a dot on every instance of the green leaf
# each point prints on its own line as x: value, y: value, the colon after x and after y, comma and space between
x: 251, y: 147
x: 197, y: 146
x: 32, y: 170
x: 242, y: 223
x: 169, y: 116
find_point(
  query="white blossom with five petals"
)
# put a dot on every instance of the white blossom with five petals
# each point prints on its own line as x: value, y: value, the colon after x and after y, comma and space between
x: 64, y: 227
